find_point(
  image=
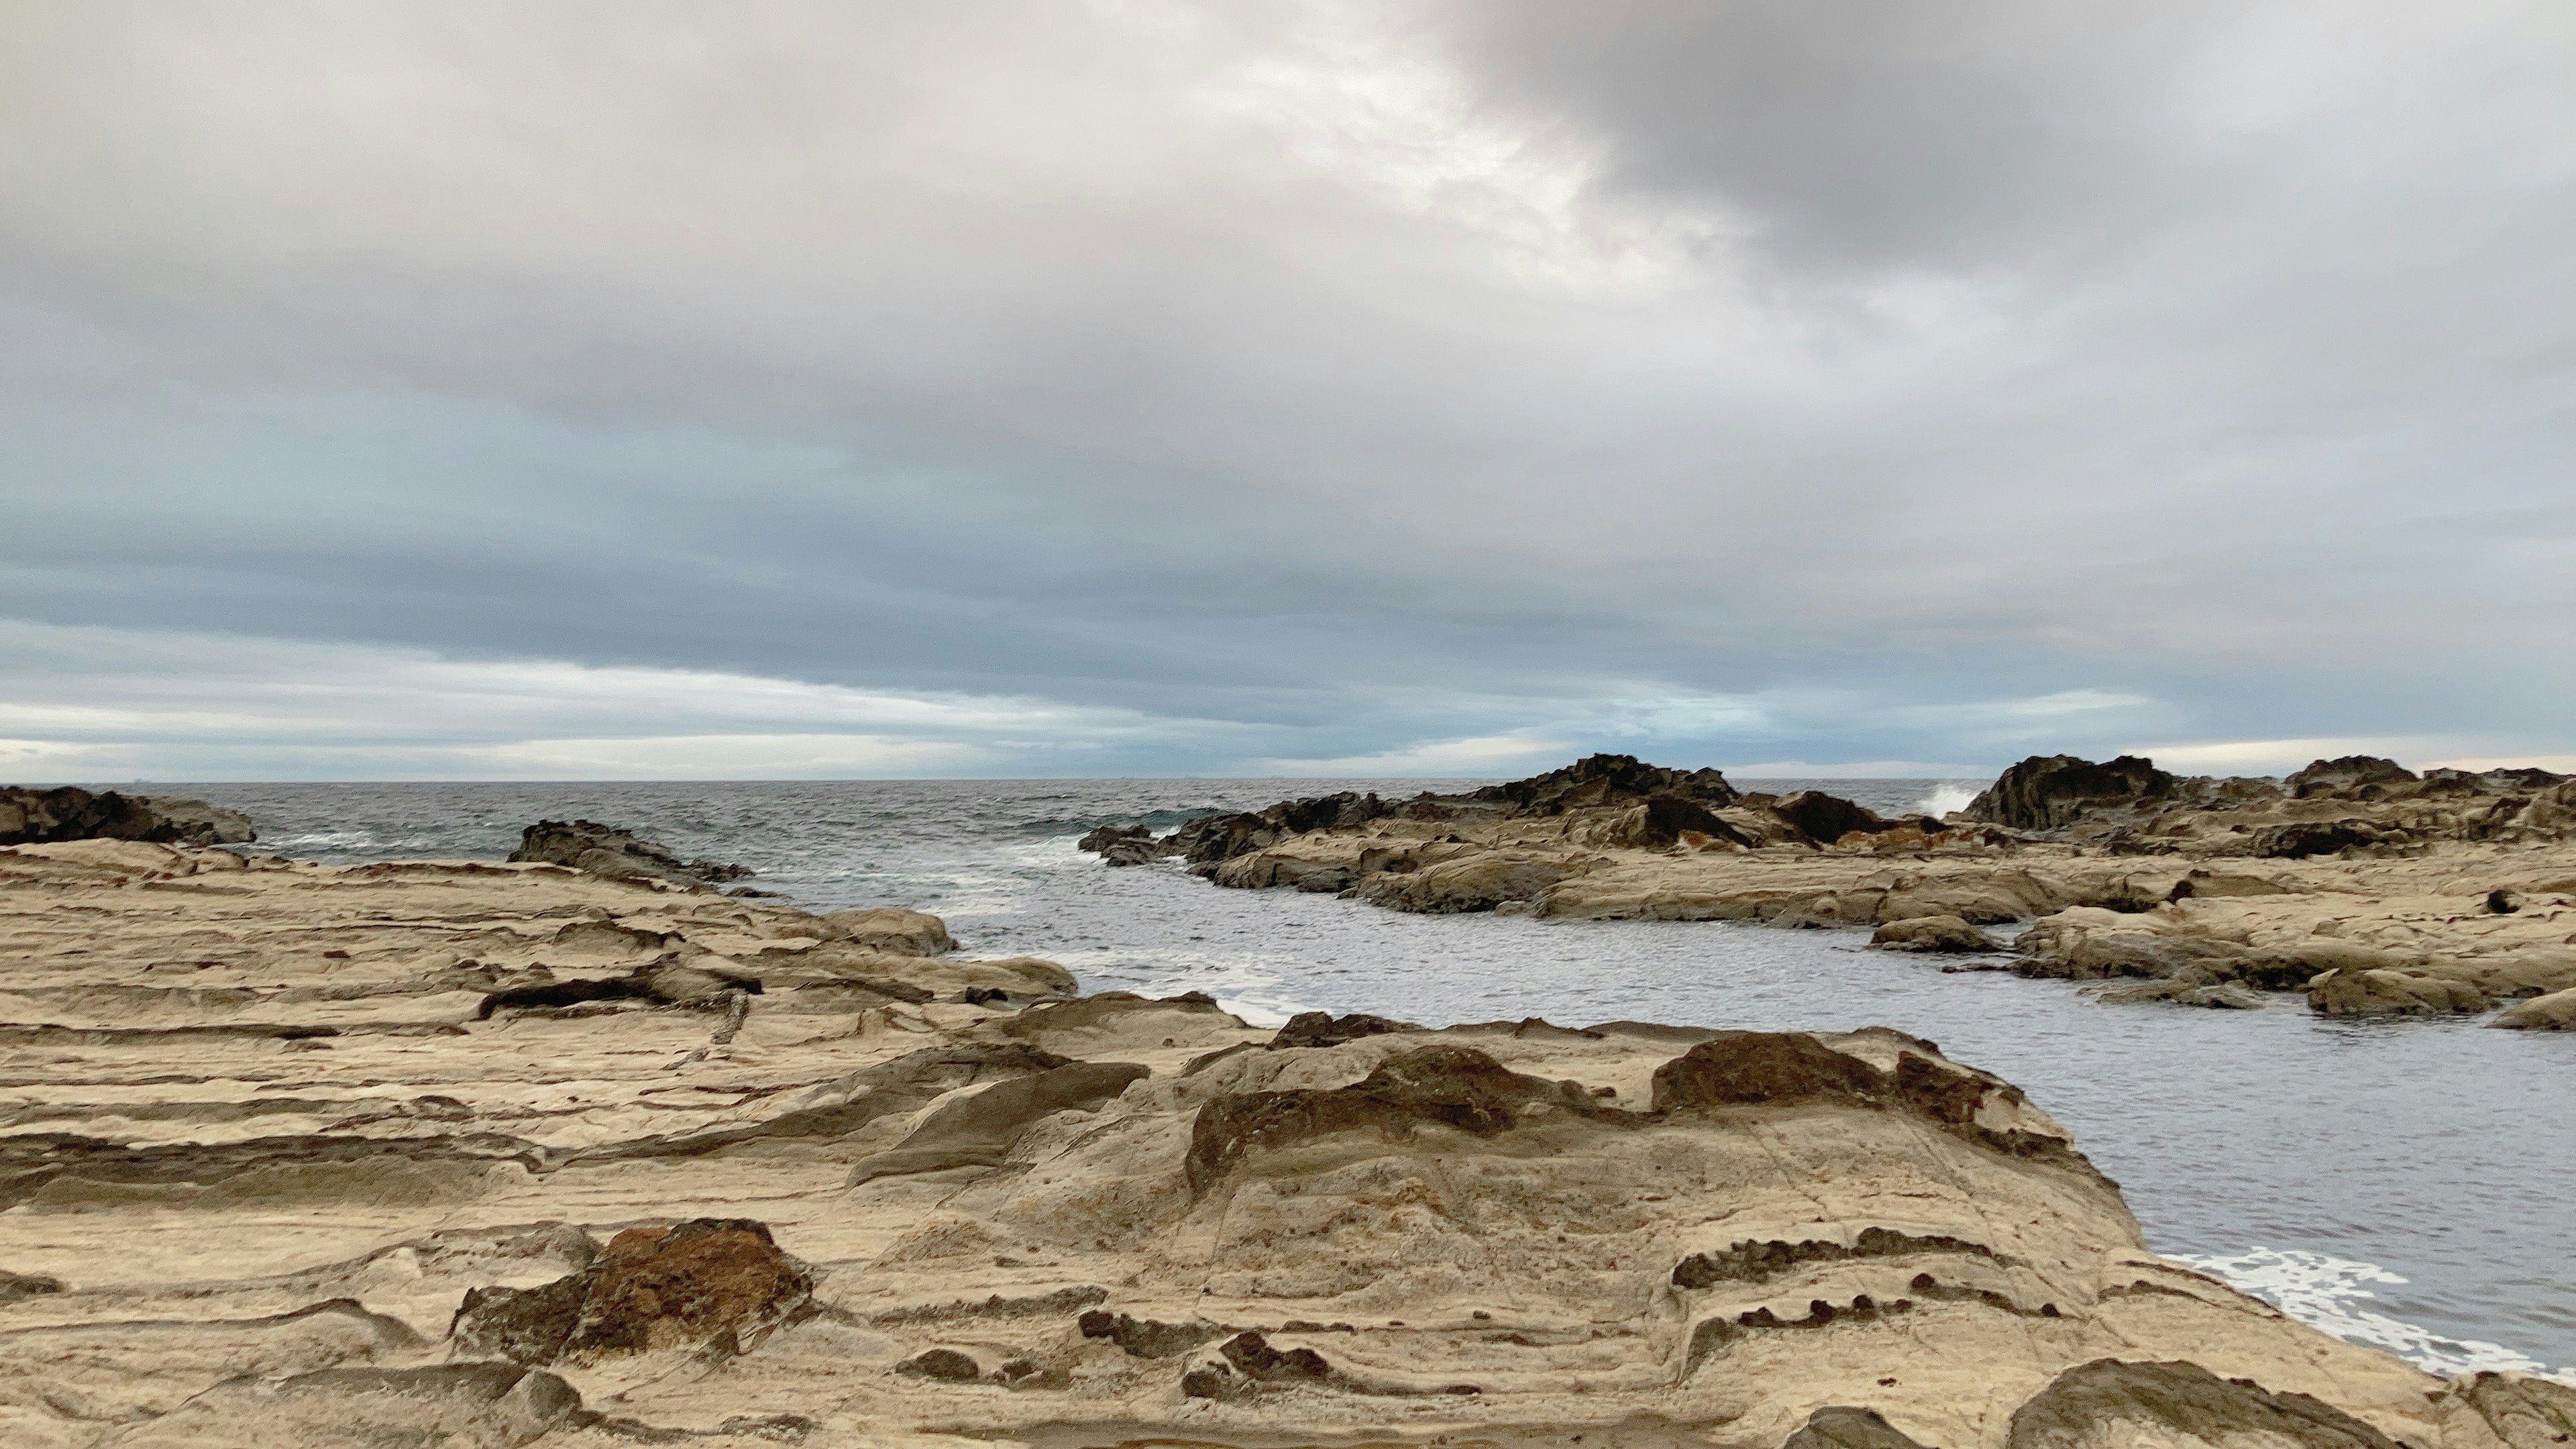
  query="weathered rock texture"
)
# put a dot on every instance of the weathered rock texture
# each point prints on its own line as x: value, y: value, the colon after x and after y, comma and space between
x: 2372, y: 889
x: 37, y: 817
x: 274, y: 1177
x: 617, y: 854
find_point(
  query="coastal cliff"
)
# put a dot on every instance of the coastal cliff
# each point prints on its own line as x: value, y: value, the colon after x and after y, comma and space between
x: 481, y: 1154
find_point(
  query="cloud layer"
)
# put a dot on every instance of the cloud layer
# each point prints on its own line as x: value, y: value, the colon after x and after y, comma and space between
x: 1041, y: 389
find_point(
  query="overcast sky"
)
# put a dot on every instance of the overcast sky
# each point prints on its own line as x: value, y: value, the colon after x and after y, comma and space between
x: 634, y: 389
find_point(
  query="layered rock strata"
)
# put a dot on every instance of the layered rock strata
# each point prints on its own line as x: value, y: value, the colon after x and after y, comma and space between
x: 2366, y: 887
x: 291, y: 1156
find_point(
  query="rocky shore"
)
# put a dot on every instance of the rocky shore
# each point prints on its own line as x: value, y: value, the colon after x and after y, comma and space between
x: 2364, y: 886
x: 470, y: 1154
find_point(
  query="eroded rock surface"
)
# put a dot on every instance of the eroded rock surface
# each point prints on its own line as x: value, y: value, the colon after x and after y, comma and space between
x: 900, y: 1199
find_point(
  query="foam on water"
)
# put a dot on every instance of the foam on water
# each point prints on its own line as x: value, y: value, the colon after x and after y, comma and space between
x: 2331, y: 1293
x: 1947, y: 797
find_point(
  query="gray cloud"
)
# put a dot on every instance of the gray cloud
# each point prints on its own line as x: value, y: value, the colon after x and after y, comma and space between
x: 1752, y: 383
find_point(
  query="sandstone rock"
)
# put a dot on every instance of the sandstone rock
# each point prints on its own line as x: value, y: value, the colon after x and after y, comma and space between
x: 891, y: 930
x: 2391, y: 993
x: 463, y: 1406
x: 1840, y: 1426
x: 605, y: 850
x: 705, y: 1280
x: 31, y: 817
x: 1477, y: 882
x: 2045, y: 792
x: 1932, y: 933
x: 2109, y: 1403
x: 2554, y: 1012
x: 2490, y: 1410
x: 980, y: 1128
x: 1323, y: 1029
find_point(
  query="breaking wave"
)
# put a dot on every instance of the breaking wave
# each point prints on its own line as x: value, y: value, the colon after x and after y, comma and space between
x: 2331, y: 1293
x: 1947, y: 797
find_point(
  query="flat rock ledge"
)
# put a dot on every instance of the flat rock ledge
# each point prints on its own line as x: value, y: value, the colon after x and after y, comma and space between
x: 491, y: 1155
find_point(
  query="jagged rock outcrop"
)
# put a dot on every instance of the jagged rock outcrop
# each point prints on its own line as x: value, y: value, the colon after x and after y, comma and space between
x: 1607, y: 780
x: 2354, y: 777
x: 683, y: 1286
x: 38, y: 817
x: 2048, y: 791
x: 606, y: 850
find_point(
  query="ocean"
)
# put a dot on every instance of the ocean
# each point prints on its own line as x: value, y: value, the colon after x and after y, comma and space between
x: 2409, y: 1184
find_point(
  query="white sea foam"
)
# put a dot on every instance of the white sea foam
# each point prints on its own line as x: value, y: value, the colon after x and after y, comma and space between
x: 1946, y: 798
x: 2331, y: 1293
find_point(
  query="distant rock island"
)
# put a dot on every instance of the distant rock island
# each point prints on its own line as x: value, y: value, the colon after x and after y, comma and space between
x: 2366, y: 886
x: 482, y: 1155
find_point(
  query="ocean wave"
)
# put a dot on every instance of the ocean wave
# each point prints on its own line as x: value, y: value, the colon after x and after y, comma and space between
x: 1085, y: 824
x: 1946, y: 798
x: 2329, y: 1293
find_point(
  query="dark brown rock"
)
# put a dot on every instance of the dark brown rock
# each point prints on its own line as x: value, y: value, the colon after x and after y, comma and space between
x: 2313, y: 837
x: 695, y: 1283
x: 606, y: 850
x: 2354, y: 777
x: 1827, y: 818
x: 1144, y: 1337
x: 1608, y: 780
x: 2046, y: 792
x: 944, y: 1364
x: 1323, y: 1029
x: 1764, y: 1067
x: 45, y: 817
x: 1752, y: 1261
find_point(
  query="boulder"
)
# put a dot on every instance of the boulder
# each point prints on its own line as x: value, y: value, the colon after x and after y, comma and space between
x: 1827, y: 818
x: 2047, y: 792
x: 2554, y: 1012
x: 2349, y: 992
x: 1477, y: 882
x: 1932, y: 933
x: 605, y: 850
x: 2108, y: 1404
x: 684, y: 1286
x: 48, y: 817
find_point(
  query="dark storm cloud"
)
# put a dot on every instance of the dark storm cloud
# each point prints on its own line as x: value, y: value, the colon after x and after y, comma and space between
x: 1204, y: 388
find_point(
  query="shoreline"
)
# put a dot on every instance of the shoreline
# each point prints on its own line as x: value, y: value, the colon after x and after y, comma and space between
x: 481, y: 1110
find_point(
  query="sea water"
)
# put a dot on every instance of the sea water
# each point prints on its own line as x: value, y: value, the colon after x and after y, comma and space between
x: 2409, y: 1183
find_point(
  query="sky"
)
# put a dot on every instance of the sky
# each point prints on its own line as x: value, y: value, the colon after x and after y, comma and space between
x: 1116, y: 387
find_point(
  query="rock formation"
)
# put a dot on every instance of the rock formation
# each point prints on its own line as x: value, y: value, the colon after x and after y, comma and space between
x: 2440, y: 893
x: 37, y: 817
x: 275, y: 1177
x: 605, y: 850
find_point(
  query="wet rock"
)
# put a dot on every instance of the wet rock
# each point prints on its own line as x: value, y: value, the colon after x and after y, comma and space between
x: 606, y: 850
x: 2186, y: 989
x: 893, y: 931
x: 1932, y: 933
x: 2107, y: 1403
x: 1109, y: 835
x: 1667, y: 819
x: 41, y: 817
x: 2349, y: 992
x: 2046, y: 792
x: 1323, y: 1029
x: 2303, y: 838
x: 691, y: 1284
x: 2553, y: 1012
